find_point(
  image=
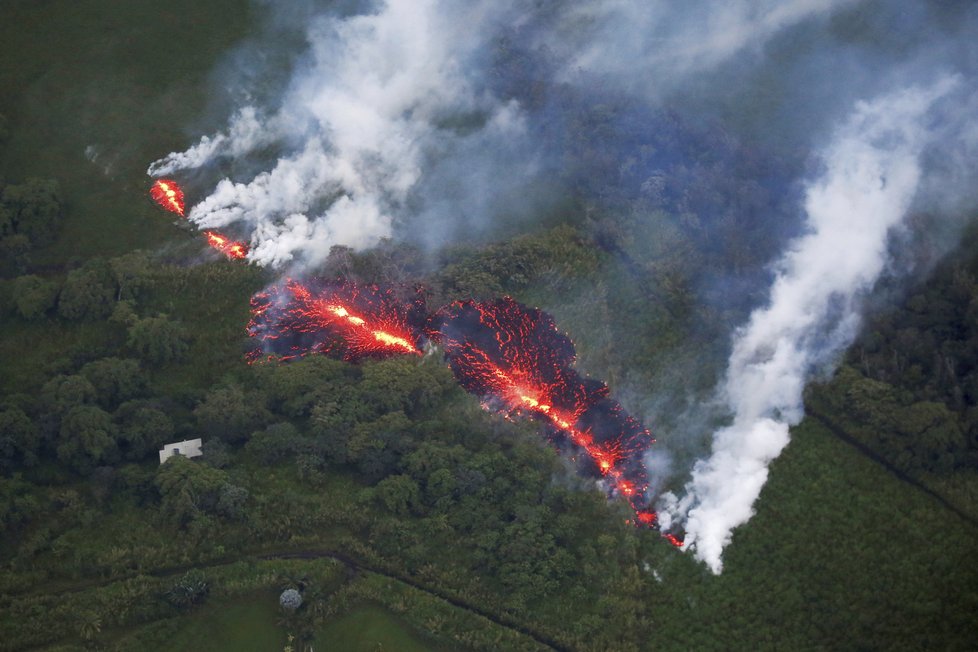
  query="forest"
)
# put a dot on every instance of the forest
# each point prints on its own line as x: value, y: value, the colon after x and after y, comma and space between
x: 383, y: 493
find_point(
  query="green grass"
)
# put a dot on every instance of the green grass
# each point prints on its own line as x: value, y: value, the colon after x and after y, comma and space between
x: 244, y: 624
x: 841, y: 553
x: 369, y: 629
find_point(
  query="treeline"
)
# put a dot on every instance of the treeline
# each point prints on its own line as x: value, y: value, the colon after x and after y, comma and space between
x: 909, y: 387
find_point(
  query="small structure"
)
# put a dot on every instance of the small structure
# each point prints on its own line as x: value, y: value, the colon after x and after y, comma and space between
x: 187, y: 448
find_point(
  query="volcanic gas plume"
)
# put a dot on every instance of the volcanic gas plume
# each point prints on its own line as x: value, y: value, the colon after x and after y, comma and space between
x: 336, y: 318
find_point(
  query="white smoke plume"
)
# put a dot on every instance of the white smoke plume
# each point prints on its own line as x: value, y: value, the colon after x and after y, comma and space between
x: 871, y: 174
x: 358, y: 119
x: 654, y: 44
x: 371, y: 110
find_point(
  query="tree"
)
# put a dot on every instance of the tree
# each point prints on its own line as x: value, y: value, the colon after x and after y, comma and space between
x: 63, y: 393
x: 19, y: 439
x: 188, y: 490
x: 34, y: 296
x: 87, y: 293
x: 87, y: 438
x: 36, y: 208
x: 400, y: 383
x: 18, y: 504
x: 115, y: 380
x: 131, y: 274
x: 231, y: 414
x: 15, y: 253
x: 290, y: 599
x: 231, y: 501
x: 190, y: 589
x: 933, y: 436
x: 143, y: 428
x: 400, y: 494
x: 293, y: 389
x: 89, y: 624
x: 276, y: 443
x: 158, y: 340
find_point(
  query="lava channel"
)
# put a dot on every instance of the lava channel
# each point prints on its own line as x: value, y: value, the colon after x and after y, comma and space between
x: 337, y: 318
x: 515, y: 359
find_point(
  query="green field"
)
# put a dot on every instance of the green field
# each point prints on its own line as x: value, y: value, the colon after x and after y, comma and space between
x: 368, y: 629
x: 246, y: 624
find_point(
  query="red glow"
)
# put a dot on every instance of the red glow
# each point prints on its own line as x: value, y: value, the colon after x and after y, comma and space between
x: 511, y: 356
x: 168, y: 195
x: 233, y: 249
x: 674, y: 540
x: 516, y: 359
x: 343, y: 319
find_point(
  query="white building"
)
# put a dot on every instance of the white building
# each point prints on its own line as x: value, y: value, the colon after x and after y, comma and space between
x: 188, y: 448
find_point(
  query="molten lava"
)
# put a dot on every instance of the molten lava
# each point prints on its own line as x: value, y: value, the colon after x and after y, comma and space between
x: 233, y: 249
x: 511, y: 356
x: 518, y: 362
x: 336, y: 318
x: 168, y: 195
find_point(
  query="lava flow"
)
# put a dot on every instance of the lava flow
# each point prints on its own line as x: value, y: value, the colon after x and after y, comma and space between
x: 518, y: 362
x: 338, y: 318
x: 168, y: 195
x: 233, y: 249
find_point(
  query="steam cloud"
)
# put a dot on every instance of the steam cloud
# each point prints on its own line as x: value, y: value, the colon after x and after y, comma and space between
x: 385, y: 98
x: 872, y: 171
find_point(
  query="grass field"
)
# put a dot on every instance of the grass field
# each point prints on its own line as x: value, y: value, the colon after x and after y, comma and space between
x: 245, y: 624
x: 368, y: 629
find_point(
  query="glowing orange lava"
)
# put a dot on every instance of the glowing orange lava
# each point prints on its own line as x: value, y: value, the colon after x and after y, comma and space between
x: 231, y: 248
x: 518, y: 362
x: 338, y: 318
x: 322, y: 309
x: 168, y: 195
x: 511, y: 356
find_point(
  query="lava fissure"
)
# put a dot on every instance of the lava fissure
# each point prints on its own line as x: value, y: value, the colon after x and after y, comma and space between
x: 515, y: 358
x: 294, y: 319
x: 512, y: 357
x: 233, y: 249
x: 168, y: 195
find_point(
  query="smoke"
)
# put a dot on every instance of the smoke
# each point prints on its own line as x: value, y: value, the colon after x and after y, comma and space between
x: 685, y: 128
x: 396, y: 120
x: 871, y: 174
x: 651, y: 45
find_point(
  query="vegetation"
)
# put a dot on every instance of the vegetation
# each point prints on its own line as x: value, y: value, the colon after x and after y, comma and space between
x: 380, y: 493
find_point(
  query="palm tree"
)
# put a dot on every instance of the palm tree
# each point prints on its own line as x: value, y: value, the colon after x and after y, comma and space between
x: 89, y: 625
